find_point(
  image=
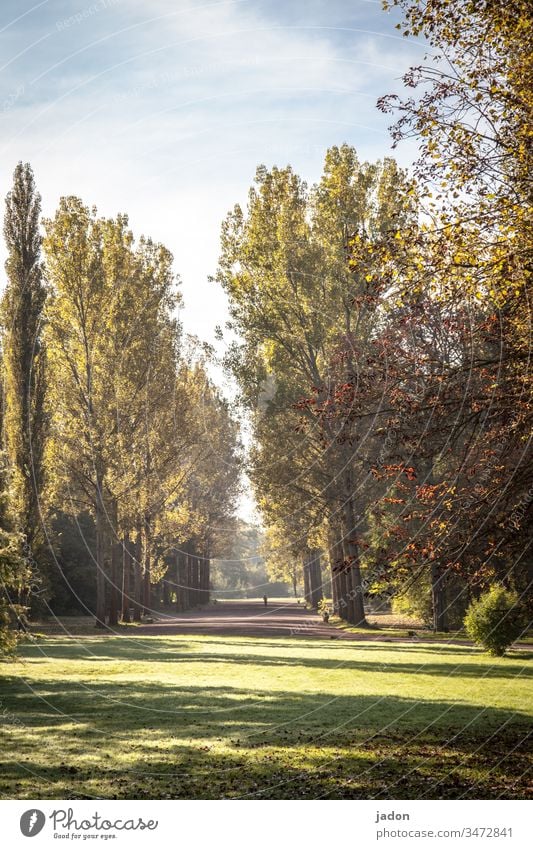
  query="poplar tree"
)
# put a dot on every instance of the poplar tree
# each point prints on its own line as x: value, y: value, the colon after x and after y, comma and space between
x: 13, y: 568
x: 25, y: 423
x: 111, y: 342
x: 298, y: 305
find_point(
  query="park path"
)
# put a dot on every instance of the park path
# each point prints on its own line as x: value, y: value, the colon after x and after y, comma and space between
x: 279, y: 619
x: 244, y: 619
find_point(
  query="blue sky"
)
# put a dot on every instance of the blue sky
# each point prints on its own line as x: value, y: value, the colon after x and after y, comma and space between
x: 163, y: 109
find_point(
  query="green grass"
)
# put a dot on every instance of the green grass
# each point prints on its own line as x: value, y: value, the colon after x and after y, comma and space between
x: 207, y: 717
x: 376, y: 629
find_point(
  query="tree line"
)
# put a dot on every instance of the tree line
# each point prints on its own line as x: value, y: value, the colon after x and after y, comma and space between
x: 381, y: 332
x: 117, y: 447
x: 383, y: 329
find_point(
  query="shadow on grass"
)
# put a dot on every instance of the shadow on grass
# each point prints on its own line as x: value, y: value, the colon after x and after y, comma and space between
x: 78, y: 737
x: 365, y: 761
x: 179, y: 651
x: 231, y: 712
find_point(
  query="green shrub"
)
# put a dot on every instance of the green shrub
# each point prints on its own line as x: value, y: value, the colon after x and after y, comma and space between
x: 325, y: 609
x: 415, y: 601
x: 495, y: 620
x: 8, y: 637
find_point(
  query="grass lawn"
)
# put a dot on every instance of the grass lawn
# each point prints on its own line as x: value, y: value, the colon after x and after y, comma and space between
x: 230, y: 717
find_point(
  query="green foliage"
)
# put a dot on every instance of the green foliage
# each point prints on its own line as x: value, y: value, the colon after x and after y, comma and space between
x: 25, y: 423
x: 14, y: 570
x: 495, y: 620
x: 325, y: 609
x: 296, y: 305
x: 244, y: 571
x: 415, y: 600
x: 71, y: 572
x: 112, y: 369
x: 282, y: 558
x: 8, y: 637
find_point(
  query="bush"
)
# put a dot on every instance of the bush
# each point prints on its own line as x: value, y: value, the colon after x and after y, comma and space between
x: 495, y: 620
x: 324, y: 608
x: 8, y: 637
x: 415, y: 601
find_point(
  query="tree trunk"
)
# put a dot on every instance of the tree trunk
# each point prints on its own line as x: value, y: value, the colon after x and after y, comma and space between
x: 137, y: 578
x: 307, y: 588
x: 315, y: 576
x: 147, y: 585
x: 114, y: 589
x: 114, y: 585
x: 126, y: 575
x: 342, y: 593
x: 355, y: 599
x: 195, y: 579
x: 351, y: 593
x: 205, y: 577
x: 165, y: 586
x: 336, y: 560
x: 208, y: 580
x: 190, y: 580
x: 183, y: 563
x: 208, y: 574
x: 438, y: 599
x: 334, y: 588
x: 201, y: 579
x: 100, y: 558
x: 177, y: 580
x: 183, y: 577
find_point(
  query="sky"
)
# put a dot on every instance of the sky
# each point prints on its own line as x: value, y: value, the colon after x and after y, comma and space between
x: 163, y: 109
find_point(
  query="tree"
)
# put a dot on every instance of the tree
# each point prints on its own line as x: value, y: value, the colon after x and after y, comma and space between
x: 241, y: 570
x: 285, y: 268
x: 109, y: 333
x: 282, y: 560
x: 14, y: 570
x: 25, y: 420
x: 471, y: 115
x: 72, y: 588
x: 214, y: 482
x: 188, y: 488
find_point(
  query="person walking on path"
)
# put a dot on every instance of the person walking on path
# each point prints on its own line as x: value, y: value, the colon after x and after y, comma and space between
x: 265, y: 599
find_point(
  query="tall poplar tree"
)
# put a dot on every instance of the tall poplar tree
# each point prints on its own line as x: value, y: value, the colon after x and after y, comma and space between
x: 297, y: 304
x: 109, y: 331
x: 13, y: 568
x: 24, y: 352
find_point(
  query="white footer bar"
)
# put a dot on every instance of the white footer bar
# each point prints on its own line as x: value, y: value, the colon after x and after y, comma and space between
x: 266, y: 824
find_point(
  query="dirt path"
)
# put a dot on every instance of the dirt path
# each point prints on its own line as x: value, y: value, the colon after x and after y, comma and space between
x: 283, y: 619
x: 244, y: 619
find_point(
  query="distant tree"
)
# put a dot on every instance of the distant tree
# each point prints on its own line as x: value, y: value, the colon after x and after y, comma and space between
x: 282, y: 562
x: 242, y: 569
